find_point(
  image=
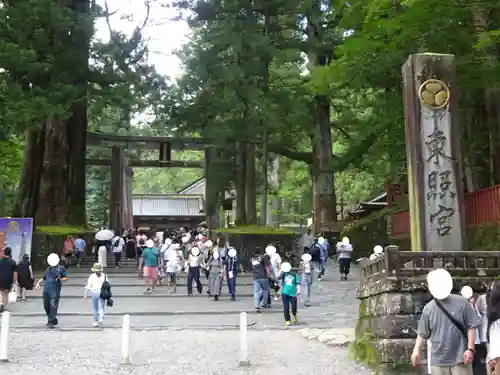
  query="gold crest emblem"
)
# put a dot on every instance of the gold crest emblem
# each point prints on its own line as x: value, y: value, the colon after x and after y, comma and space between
x: 434, y: 94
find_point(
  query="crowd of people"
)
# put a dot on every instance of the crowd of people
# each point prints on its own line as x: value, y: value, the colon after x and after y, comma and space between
x: 163, y: 256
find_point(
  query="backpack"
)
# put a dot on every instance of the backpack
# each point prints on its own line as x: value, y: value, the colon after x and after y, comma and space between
x: 106, y: 289
x: 307, y: 268
x: 315, y: 253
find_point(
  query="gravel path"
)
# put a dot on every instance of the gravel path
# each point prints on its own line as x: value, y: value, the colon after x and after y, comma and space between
x: 189, y: 352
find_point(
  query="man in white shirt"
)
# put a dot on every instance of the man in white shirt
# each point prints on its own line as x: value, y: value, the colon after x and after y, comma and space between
x: 117, y: 245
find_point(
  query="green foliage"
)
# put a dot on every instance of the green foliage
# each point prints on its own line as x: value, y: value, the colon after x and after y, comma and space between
x: 62, y: 230
x: 11, y: 159
x: 255, y: 229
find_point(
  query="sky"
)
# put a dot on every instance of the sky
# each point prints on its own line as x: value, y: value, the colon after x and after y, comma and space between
x: 165, y: 35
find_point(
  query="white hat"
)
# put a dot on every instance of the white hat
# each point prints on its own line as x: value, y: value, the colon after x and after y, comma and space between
x: 185, y: 239
x: 199, y: 236
x: 321, y: 240
x: 216, y: 254
x: 150, y: 243
x: 97, y: 267
x: 232, y: 252
x: 346, y: 241
x: 467, y: 292
x: 306, y: 257
x: 209, y: 243
x: 286, y: 267
x: 440, y: 283
x: 53, y: 260
x: 378, y: 249
x: 195, y: 251
x: 270, y: 250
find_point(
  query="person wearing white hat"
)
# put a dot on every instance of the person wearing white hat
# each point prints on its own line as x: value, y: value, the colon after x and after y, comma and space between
x: 52, y: 284
x: 150, y: 259
x: 94, y: 287
x: 306, y: 275
x: 449, y: 323
x: 193, y: 266
x: 290, y: 290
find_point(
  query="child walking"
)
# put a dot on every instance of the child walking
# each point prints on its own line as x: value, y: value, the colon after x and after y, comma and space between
x: 290, y: 289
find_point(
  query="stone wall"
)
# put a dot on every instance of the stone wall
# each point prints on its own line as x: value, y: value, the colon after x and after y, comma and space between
x: 246, y: 244
x: 393, y: 293
x: 44, y: 244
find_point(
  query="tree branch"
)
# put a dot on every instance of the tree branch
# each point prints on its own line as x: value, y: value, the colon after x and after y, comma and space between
x: 306, y: 157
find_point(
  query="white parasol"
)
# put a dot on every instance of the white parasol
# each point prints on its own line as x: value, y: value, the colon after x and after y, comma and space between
x: 104, y: 235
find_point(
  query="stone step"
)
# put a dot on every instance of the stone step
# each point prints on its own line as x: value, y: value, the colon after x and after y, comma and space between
x: 125, y: 274
x: 144, y: 307
x: 138, y: 291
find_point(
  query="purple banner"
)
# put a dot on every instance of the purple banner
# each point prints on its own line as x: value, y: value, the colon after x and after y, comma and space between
x: 17, y: 234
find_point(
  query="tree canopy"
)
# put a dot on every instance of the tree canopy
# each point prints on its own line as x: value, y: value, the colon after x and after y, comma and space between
x: 302, y: 100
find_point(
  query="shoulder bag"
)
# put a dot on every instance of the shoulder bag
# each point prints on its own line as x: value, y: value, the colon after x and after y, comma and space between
x: 452, y: 319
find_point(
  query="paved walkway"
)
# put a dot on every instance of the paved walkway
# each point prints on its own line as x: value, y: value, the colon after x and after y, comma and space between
x: 175, y: 352
x: 190, y: 335
x: 334, y: 305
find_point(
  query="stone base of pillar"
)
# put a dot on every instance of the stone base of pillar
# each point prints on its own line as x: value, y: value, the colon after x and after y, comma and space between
x: 393, y: 292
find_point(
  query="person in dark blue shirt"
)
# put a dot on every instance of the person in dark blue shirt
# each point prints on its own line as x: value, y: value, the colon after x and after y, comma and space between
x: 52, y: 283
x: 231, y: 266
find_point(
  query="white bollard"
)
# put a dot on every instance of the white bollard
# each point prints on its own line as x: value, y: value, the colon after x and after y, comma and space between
x: 4, y: 337
x: 125, y: 347
x: 244, y: 362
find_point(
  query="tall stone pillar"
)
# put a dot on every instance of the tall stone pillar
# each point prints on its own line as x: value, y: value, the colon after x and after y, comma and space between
x: 435, y: 187
x: 116, y: 199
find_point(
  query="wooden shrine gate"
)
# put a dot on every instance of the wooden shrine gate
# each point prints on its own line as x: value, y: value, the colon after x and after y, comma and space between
x: 120, y: 202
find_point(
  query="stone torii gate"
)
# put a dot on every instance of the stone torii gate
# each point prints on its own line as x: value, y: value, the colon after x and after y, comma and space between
x: 120, y: 202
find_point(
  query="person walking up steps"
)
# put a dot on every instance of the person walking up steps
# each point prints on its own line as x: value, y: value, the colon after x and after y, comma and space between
x: 118, y: 245
x: 79, y: 250
x: 150, y: 259
x: 290, y: 289
x: 306, y: 274
x: 94, y: 288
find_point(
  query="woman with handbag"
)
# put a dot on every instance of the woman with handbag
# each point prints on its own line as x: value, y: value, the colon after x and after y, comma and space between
x: 97, y: 283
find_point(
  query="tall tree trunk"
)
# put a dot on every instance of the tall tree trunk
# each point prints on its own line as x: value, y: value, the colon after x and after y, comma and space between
x: 53, y: 193
x: 250, y: 185
x: 56, y: 176
x: 241, y: 215
x: 29, y: 183
x: 273, y: 173
x: 324, y: 202
x: 482, y: 24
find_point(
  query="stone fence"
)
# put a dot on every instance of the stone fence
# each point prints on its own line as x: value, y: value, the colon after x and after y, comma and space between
x: 393, y: 292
